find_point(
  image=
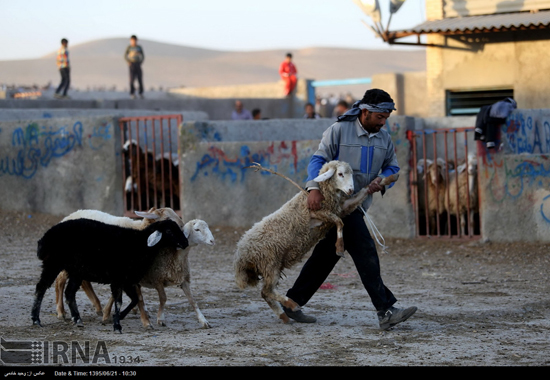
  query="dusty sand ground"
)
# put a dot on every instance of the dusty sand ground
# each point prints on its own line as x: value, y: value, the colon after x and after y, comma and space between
x: 480, y: 304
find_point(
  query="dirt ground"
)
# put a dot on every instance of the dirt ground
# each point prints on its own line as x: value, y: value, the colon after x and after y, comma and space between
x: 479, y: 304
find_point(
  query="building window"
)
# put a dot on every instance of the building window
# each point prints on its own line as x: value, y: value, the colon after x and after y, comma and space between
x: 467, y: 103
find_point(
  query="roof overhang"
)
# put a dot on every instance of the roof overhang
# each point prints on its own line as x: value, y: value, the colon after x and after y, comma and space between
x: 460, y: 26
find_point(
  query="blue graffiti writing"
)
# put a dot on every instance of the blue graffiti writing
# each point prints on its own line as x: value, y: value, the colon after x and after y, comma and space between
x: 523, y: 135
x: 545, y: 215
x: 99, y: 137
x: 217, y: 162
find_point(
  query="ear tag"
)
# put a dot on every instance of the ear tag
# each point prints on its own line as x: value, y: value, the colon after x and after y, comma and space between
x: 154, y: 238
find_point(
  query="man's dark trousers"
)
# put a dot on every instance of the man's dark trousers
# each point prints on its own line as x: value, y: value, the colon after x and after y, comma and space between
x: 65, y: 81
x: 361, y: 247
x: 135, y: 73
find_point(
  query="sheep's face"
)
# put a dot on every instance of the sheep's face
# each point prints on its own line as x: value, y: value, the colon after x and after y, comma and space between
x: 341, y: 175
x: 197, y: 232
x: 436, y: 171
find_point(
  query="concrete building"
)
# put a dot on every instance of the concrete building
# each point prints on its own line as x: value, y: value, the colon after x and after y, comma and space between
x: 479, y: 52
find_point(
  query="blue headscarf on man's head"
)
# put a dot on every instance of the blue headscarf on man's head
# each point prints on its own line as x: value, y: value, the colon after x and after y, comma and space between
x: 355, y: 110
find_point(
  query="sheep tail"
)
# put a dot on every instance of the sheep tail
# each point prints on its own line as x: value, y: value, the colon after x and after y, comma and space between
x: 40, y: 251
x: 245, y: 274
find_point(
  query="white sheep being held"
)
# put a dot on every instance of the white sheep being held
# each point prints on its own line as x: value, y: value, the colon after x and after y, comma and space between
x: 282, y: 239
x: 151, y: 216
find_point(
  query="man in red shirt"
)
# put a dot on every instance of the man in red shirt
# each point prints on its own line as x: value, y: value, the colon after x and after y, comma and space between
x: 288, y: 72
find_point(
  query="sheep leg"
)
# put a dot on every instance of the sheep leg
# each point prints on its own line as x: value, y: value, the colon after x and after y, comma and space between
x: 275, y: 299
x: 162, y: 301
x: 87, y: 287
x: 46, y: 280
x: 131, y: 291
x: 70, y: 294
x: 185, y: 286
x: 116, y: 292
x: 60, y: 282
x: 107, y: 309
x: 143, y: 315
x: 332, y: 218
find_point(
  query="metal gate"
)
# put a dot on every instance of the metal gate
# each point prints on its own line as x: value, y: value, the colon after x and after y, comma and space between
x: 150, y: 162
x: 444, y: 183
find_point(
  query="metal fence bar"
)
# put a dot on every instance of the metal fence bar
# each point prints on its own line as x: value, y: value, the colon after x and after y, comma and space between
x: 154, y: 177
x: 457, y: 222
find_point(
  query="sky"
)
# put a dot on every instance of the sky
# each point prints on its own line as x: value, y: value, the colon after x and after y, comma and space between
x: 33, y: 28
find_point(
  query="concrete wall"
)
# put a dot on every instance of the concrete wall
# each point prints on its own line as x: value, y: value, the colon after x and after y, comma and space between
x: 270, y: 90
x: 57, y: 166
x: 216, y: 109
x: 515, y: 180
x: 408, y: 90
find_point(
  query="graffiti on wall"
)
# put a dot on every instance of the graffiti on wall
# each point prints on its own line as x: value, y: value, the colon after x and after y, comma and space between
x: 221, y: 165
x: 34, y: 147
x: 522, y: 169
x: 524, y: 134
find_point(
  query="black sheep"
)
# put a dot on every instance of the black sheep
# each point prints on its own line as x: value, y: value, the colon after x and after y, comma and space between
x: 98, y: 252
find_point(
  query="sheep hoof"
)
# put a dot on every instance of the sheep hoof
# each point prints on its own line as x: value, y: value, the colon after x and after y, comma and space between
x: 161, y: 323
x: 341, y: 254
x: 284, y: 317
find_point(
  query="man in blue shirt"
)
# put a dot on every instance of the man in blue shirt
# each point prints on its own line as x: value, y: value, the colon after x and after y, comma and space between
x: 357, y: 137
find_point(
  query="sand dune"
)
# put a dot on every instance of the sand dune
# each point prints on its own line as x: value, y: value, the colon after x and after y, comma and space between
x: 100, y: 63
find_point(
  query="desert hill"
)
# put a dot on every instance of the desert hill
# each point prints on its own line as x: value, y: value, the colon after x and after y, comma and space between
x: 100, y: 63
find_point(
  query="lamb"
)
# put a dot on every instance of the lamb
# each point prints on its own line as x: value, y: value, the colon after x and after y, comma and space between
x: 463, y: 194
x: 171, y: 267
x: 153, y: 215
x: 97, y: 252
x: 281, y: 239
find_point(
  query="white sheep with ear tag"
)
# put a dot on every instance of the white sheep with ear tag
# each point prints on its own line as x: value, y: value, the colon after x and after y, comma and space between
x: 283, y: 238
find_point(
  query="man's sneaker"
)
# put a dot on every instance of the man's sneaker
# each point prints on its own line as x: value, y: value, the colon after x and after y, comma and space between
x: 393, y: 316
x: 299, y: 316
x: 58, y: 96
x: 132, y: 96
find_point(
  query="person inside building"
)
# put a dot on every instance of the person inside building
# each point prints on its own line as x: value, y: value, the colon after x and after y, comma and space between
x: 357, y: 137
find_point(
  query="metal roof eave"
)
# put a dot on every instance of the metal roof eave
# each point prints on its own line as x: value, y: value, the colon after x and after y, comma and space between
x: 460, y: 26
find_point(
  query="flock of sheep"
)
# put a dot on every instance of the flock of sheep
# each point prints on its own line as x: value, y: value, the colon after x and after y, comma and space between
x: 91, y: 246
x: 450, y: 188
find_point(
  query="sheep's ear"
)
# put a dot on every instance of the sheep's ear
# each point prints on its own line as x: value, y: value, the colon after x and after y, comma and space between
x: 326, y: 175
x: 187, y: 227
x: 146, y: 215
x: 154, y: 238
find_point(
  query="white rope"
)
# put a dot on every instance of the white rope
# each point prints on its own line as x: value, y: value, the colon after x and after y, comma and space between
x: 370, y: 223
